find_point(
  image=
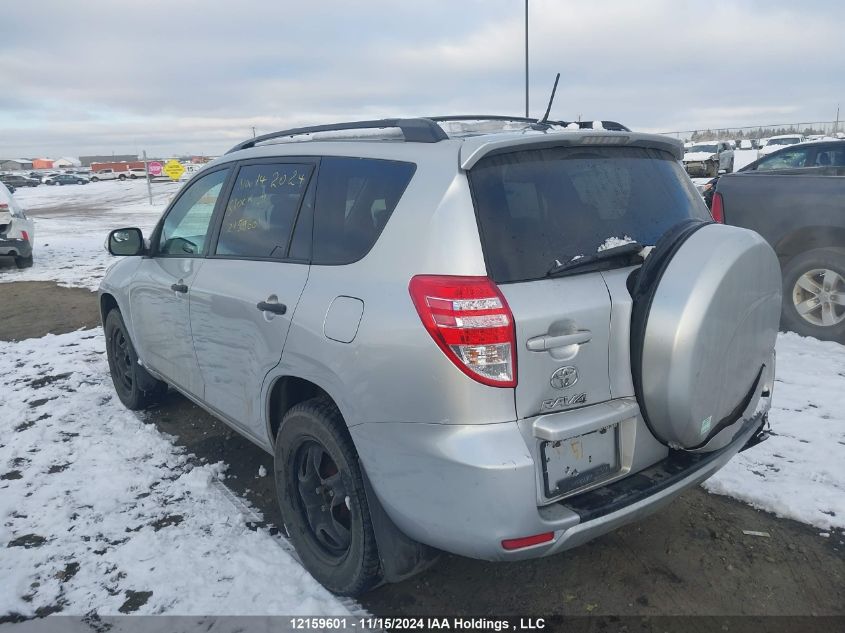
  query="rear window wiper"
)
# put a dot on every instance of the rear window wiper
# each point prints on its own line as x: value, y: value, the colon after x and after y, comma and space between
x: 624, y: 251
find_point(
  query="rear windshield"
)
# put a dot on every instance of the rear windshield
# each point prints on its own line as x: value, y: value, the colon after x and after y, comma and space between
x: 540, y: 207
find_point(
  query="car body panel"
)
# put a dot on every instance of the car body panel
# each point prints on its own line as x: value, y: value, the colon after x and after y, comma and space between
x: 236, y: 344
x: 161, y: 321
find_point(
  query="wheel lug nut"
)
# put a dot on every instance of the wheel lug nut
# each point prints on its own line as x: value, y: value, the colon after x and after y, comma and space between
x: 331, y: 493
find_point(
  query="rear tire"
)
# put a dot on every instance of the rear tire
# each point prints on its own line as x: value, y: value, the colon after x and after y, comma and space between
x: 134, y: 385
x: 315, y: 465
x: 121, y: 177
x: 813, y: 282
x: 23, y: 262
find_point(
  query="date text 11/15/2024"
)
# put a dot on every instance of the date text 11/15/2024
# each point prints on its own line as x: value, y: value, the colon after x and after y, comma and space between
x: 416, y: 624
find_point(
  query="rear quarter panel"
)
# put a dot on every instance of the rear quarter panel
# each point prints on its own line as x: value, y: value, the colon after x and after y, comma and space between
x: 777, y: 205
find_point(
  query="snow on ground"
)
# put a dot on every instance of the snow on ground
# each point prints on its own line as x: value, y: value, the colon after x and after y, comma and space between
x: 799, y: 473
x: 73, y: 221
x: 101, y: 512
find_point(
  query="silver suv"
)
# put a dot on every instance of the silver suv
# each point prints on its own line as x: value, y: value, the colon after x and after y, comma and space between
x: 495, y: 338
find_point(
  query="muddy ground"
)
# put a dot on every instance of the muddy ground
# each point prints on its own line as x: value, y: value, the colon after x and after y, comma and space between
x: 690, y: 558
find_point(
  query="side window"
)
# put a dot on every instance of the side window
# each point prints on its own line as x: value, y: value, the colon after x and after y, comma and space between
x: 790, y: 159
x: 186, y: 226
x: 355, y: 198
x: 831, y: 157
x: 261, y: 211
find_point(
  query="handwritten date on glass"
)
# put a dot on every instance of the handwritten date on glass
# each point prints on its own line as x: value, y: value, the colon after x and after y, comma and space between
x: 277, y: 180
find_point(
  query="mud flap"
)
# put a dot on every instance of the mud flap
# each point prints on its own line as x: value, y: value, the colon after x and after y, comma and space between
x: 401, y: 557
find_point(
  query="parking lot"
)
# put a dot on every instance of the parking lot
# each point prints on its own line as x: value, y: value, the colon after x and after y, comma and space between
x: 721, y: 549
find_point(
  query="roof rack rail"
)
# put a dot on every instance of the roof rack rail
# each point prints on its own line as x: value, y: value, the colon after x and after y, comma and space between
x: 481, y: 117
x: 414, y: 130
x: 613, y: 126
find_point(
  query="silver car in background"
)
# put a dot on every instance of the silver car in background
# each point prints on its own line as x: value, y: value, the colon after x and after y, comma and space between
x: 499, y: 344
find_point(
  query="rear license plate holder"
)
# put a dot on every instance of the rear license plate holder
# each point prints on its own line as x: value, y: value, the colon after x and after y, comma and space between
x: 580, y: 461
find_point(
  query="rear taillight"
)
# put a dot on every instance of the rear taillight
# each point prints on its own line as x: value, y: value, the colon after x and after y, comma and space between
x: 471, y: 322
x: 25, y: 236
x: 717, y: 208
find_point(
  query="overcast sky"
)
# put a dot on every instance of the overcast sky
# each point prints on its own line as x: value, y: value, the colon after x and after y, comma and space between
x: 194, y: 76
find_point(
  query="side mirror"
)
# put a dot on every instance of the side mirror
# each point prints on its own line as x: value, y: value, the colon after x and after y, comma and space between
x: 126, y: 242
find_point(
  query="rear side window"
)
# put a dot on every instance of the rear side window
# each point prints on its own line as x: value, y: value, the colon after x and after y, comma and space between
x: 262, y: 209
x: 355, y: 198
x: 539, y: 207
x: 788, y: 159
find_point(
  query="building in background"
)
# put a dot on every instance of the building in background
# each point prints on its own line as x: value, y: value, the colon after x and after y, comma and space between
x: 42, y: 163
x: 113, y: 158
x: 11, y: 164
x: 66, y: 161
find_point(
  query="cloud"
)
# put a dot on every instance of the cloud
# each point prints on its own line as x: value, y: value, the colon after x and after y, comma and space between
x: 196, y: 76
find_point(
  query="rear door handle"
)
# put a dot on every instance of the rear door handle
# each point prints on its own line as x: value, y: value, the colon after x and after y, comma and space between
x: 275, y: 308
x: 545, y: 343
x: 179, y: 288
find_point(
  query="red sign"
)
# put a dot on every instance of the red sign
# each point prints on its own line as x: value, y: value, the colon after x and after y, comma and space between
x: 154, y: 168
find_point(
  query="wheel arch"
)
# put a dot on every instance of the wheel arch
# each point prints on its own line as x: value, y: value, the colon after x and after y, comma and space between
x: 287, y: 391
x: 809, y: 238
x: 107, y: 304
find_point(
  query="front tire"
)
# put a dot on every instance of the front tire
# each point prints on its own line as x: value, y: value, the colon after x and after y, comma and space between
x: 121, y: 177
x: 322, y: 498
x: 814, y: 294
x: 134, y: 385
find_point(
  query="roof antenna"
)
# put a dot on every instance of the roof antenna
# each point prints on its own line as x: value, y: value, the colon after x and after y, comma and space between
x: 543, y: 123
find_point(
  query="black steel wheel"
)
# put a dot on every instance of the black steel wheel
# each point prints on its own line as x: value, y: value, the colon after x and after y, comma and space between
x: 134, y: 385
x: 322, y: 498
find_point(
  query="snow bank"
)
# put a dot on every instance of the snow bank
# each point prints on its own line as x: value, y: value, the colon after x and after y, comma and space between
x: 101, y: 512
x: 800, y: 472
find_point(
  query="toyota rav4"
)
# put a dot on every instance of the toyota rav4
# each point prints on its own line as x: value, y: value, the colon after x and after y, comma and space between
x: 497, y: 338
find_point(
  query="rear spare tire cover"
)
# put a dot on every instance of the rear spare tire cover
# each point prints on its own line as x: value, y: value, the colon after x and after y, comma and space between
x: 703, y: 327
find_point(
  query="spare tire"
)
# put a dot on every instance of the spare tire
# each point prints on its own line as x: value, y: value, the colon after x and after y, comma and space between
x: 706, y: 307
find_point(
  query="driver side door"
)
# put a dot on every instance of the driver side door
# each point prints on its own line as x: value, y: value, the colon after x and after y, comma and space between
x: 159, y: 298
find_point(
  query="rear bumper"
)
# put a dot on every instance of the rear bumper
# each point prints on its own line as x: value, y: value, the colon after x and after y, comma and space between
x: 466, y: 488
x: 15, y: 247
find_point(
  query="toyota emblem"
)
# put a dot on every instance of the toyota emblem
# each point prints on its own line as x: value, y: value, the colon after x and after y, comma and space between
x: 564, y: 377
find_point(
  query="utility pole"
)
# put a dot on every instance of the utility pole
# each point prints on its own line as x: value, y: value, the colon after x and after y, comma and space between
x: 253, y: 131
x: 526, y: 59
x: 147, y: 172
x: 836, y: 125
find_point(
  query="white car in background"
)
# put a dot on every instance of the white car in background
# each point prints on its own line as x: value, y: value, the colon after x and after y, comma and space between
x: 16, y: 230
x: 709, y: 158
x: 779, y: 142
x: 108, y: 174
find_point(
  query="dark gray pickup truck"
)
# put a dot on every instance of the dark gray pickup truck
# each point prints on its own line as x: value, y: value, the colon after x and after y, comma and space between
x: 795, y: 199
